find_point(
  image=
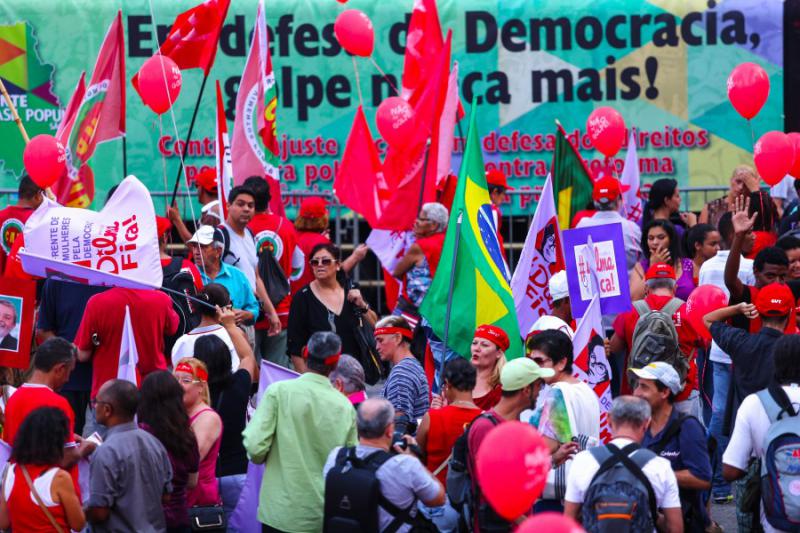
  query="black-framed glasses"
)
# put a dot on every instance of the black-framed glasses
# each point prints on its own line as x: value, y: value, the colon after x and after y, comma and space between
x: 325, y: 261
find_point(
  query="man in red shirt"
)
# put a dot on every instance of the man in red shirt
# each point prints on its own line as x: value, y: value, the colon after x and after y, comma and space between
x: 13, y: 217
x: 100, y: 334
x: 52, y: 365
x: 275, y: 233
x: 498, y: 186
x: 660, y: 290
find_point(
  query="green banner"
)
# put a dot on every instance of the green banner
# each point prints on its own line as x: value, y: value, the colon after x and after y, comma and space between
x: 662, y: 64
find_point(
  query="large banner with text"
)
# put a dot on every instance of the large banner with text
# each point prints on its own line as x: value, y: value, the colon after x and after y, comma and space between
x: 662, y: 63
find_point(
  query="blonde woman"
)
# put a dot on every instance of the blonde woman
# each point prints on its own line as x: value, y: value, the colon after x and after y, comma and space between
x: 192, y: 374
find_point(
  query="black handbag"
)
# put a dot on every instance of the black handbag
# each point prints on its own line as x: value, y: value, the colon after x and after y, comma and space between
x: 368, y: 356
x: 207, y: 518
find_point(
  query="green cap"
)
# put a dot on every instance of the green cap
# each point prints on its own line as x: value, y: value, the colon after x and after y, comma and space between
x: 521, y: 372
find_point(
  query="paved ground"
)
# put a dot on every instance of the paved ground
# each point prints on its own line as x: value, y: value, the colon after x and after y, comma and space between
x: 725, y: 516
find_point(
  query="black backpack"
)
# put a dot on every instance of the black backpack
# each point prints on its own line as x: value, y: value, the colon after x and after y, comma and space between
x: 353, y: 495
x: 182, y: 283
x: 271, y: 273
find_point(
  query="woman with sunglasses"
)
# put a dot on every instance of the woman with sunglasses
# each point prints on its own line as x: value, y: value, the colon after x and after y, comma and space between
x: 325, y: 305
x: 192, y: 374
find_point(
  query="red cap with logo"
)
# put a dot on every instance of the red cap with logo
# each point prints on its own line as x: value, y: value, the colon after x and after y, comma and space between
x: 495, y: 177
x: 607, y: 189
x: 207, y: 180
x: 163, y: 225
x: 660, y: 271
x: 493, y: 334
x: 313, y: 207
x: 774, y: 300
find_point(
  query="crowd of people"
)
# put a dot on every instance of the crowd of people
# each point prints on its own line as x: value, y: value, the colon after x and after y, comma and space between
x: 366, y: 437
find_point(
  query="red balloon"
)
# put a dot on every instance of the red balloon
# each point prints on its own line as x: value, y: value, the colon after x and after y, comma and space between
x: 748, y: 89
x: 794, y: 138
x: 395, y: 119
x: 45, y: 160
x: 512, y: 463
x: 353, y: 30
x: 703, y: 300
x: 156, y: 92
x: 606, y: 130
x: 774, y: 156
x: 549, y: 523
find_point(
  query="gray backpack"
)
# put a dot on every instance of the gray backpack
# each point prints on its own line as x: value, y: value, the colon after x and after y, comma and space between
x: 620, y: 498
x: 656, y: 339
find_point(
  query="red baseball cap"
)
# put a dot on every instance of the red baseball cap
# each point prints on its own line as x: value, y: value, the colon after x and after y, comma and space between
x: 493, y: 334
x: 607, y: 189
x: 660, y: 271
x: 163, y: 225
x: 774, y: 300
x: 313, y: 207
x: 207, y: 180
x: 496, y: 177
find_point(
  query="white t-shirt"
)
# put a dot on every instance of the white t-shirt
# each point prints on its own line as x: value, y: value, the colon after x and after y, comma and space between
x: 784, y: 190
x: 749, y: 430
x: 713, y: 273
x: 184, y: 346
x: 243, y: 254
x: 658, y: 471
x: 575, y: 402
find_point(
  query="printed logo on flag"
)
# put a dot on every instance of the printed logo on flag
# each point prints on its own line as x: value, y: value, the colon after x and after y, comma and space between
x: 548, y: 244
x: 9, y: 231
x: 606, y: 267
x: 251, y: 131
x: 488, y: 231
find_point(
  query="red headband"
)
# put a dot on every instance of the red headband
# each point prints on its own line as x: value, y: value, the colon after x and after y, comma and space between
x: 198, y: 372
x: 389, y: 330
x: 331, y: 360
x: 493, y: 334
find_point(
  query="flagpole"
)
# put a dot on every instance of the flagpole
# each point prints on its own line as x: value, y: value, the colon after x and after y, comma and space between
x: 424, y: 175
x: 14, y: 114
x: 450, y: 297
x: 188, y: 138
x: 124, y: 156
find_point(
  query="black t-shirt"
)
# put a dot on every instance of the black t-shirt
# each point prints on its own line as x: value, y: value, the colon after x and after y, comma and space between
x: 231, y: 405
x: 309, y: 315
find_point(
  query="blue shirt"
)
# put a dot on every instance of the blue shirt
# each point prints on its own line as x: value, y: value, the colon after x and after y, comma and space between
x: 687, y: 450
x: 235, y: 281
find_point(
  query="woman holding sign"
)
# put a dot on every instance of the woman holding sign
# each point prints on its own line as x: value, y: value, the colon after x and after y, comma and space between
x: 660, y: 244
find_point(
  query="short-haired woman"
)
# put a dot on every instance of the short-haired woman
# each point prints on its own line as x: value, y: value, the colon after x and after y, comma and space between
x: 407, y: 386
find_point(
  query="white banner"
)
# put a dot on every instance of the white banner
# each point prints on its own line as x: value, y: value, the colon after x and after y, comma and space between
x: 117, y: 246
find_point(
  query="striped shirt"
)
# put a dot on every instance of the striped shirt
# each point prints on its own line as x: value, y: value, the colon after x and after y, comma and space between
x: 407, y: 388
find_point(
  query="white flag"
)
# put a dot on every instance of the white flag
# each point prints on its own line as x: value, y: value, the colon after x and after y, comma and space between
x: 128, y: 356
x: 117, y: 246
x: 631, y: 207
x: 542, y: 256
x: 389, y: 246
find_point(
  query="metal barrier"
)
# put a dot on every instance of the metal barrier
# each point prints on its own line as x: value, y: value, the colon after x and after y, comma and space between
x: 347, y: 228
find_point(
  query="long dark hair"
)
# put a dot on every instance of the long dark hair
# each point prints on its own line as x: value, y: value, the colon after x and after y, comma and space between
x: 161, y: 409
x: 761, y: 203
x: 40, y: 439
x: 216, y: 355
x: 214, y: 294
x: 696, y: 235
x: 674, y: 245
x: 659, y: 192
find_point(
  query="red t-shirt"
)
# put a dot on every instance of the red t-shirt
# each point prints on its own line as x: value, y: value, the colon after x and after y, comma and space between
x: 27, y: 398
x: 12, y: 220
x: 187, y: 266
x: 688, y: 340
x: 763, y: 239
x: 306, y: 241
x: 277, y: 233
x: 152, y: 317
x: 446, y: 425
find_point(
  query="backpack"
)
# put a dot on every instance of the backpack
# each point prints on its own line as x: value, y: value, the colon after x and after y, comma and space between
x: 780, y: 465
x: 353, y: 495
x: 464, y: 492
x: 656, y: 339
x: 180, y: 282
x: 620, y: 498
x: 271, y: 273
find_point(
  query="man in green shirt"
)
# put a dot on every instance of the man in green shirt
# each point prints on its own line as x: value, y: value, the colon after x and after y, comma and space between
x: 296, y: 425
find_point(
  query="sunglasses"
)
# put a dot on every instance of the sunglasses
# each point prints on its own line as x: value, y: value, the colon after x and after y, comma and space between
x: 326, y: 261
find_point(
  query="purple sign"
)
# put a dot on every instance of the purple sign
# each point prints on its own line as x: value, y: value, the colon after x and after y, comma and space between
x: 609, y: 268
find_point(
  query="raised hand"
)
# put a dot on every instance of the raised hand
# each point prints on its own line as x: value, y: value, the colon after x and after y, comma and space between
x: 742, y: 223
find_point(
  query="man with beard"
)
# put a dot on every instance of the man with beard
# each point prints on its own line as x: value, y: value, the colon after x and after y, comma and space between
x: 8, y: 319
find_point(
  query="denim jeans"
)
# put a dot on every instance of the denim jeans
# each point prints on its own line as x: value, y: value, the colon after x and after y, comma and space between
x: 691, y: 406
x: 444, y: 517
x: 705, y: 375
x: 230, y: 488
x: 722, y: 382
x: 273, y: 349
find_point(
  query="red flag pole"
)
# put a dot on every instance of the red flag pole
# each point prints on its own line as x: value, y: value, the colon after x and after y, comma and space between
x: 424, y: 175
x: 188, y: 138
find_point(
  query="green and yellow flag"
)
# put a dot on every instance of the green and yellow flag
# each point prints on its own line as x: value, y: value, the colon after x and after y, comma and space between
x: 572, y: 183
x: 481, y: 293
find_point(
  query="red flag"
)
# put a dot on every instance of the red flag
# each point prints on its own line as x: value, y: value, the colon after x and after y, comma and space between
x: 94, y: 115
x: 223, y: 152
x: 423, y: 42
x: 192, y: 40
x: 359, y: 184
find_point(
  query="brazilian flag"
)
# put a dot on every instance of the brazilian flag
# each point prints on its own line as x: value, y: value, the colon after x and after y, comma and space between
x: 481, y: 293
x: 572, y: 184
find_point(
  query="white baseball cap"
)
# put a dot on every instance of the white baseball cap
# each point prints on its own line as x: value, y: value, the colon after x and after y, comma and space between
x: 558, y: 285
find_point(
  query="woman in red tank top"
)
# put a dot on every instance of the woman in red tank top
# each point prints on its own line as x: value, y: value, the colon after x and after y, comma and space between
x: 36, y: 495
x: 488, y: 357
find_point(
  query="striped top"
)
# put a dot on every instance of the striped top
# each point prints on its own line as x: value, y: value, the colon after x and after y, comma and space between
x: 407, y: 388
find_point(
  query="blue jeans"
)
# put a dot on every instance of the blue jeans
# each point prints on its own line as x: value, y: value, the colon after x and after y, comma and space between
x: 705, y: 375
x: 230, y: 488
x: 722, y: 382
